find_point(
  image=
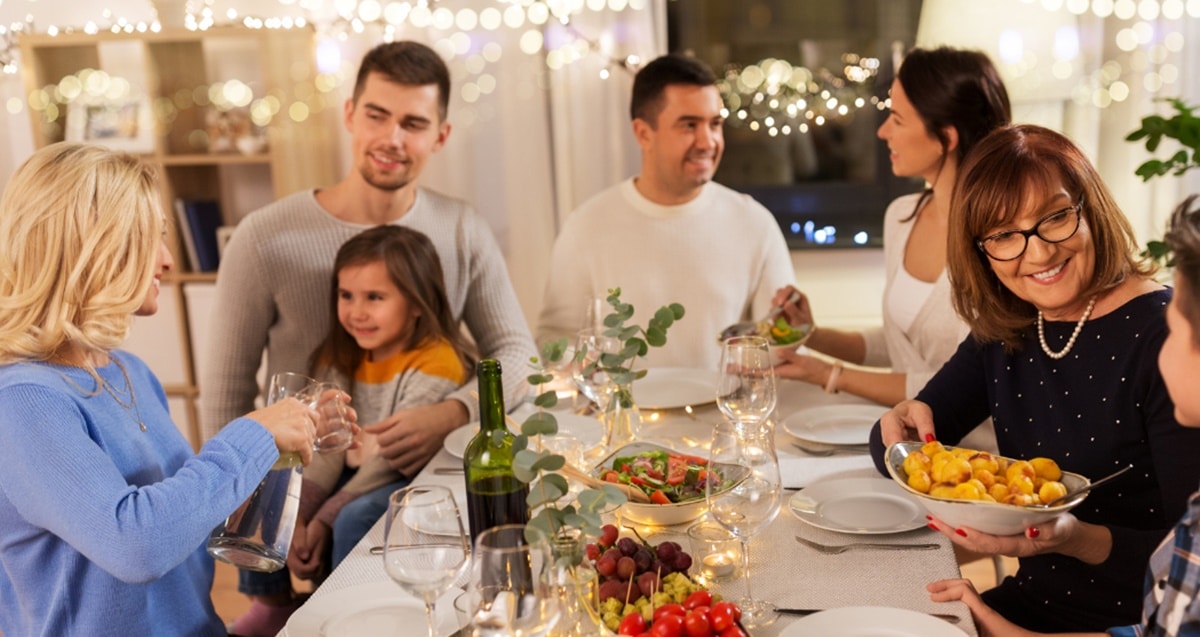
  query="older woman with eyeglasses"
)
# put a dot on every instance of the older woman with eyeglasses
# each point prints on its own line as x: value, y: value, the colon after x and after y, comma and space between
x: 1066, y: 324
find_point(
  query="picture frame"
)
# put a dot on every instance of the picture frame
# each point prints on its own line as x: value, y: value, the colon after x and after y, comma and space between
x: 122, y: 124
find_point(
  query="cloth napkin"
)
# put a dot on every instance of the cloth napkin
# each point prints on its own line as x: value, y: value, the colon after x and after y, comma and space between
x: 797, y: 472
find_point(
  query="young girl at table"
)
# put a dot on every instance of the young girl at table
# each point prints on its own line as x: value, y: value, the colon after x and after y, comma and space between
x: 394, y: 344
x: 104, y: 507
x: 1170, y: 607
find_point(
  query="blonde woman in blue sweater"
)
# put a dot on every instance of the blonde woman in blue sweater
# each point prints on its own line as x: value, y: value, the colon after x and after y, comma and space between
x: 104, y: 507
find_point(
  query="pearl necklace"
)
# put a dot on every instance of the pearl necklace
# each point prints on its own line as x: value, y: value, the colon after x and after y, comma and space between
x: 1074, y: 335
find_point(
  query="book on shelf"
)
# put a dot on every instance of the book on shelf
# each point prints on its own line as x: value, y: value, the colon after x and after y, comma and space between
x: 199, y: 220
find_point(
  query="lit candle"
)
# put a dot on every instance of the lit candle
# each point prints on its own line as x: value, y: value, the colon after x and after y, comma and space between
x: 718, y: 565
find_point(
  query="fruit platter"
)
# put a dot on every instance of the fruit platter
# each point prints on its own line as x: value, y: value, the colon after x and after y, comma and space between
x: 645, y: 589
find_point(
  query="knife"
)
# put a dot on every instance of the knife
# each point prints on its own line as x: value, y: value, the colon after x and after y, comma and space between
x: 953, y: 619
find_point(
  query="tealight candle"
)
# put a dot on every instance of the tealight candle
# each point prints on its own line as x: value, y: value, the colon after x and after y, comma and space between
x: 716, y: 552
x: 717, y: 565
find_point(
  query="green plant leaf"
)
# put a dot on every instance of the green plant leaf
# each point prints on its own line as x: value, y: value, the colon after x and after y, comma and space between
x: 540, y: 423
x: 546, y: 399
x: 553, y: 351
x: 656, y: 336
x: 523, y: 465
x: 558, y: 481
x: 539, y: 379
x: 665, y: 317
x: 549, y: 462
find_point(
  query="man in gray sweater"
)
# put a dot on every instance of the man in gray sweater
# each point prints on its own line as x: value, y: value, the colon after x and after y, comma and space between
x: 273, y: 289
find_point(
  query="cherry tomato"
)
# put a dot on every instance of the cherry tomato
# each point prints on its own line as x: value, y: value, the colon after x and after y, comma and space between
x: 699, y: 598
x: 658, y: 497
x: 720, y: 616
x: 667, y: 626
x: 611, y: 476
x: 669, y: 609
x: 733, y: 631
x: 632, y: 624
x: 703, y: 462
x: 696, y: 625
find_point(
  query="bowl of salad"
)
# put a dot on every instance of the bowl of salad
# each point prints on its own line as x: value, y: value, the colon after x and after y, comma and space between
x: 674, y: 481
x: 781, y: 335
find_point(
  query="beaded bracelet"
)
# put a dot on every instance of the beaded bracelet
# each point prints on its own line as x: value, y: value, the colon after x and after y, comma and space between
x: 834, y: 374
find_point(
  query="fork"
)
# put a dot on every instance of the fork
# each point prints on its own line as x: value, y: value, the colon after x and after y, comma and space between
x: 821, y: 450
x: 842, y: 548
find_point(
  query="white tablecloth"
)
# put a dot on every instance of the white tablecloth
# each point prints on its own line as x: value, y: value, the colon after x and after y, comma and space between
x: 783, y: 571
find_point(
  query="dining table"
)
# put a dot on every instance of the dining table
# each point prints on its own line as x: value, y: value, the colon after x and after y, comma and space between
x: 782, y: 570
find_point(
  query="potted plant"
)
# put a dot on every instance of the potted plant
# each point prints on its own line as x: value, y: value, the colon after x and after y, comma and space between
x: 1184, y: 128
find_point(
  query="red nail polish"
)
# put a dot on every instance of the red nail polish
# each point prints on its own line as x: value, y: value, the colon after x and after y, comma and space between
x: 961, y: 532
x: 929, y: 438
x: 1032, y: 532
x: 932, y: 526
x: 929, y: 517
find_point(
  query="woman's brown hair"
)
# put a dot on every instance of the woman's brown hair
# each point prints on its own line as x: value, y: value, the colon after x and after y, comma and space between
x: 414, y: 268
x: 1011, y: 167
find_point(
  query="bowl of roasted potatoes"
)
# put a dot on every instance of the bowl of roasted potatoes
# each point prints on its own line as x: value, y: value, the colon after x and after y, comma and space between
x: 980, y: 490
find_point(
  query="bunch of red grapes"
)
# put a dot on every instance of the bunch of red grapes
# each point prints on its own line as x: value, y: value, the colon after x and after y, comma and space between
x: 620, y: 560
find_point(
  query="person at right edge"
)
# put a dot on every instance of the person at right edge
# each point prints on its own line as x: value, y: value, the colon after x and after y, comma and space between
x: 1066, y: 324
x: 1170, y: 607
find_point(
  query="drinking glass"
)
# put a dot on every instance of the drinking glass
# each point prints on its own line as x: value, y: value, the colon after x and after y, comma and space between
x: 334, y: 432
x: 752, y: 504
x: 424, y: 548
x: 590, y: 345
x: 746, y: 388
x: 512, y: 586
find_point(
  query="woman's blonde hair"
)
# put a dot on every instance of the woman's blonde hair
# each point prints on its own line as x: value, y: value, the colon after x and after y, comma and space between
x: 80, y: 227
x: 1000, y: 176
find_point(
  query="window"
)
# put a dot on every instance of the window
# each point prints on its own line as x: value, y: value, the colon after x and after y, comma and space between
x: 805, y: 82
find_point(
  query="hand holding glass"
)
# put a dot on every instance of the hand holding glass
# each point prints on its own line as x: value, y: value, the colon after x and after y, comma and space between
x: 335, y: 431
x: 424, y: 549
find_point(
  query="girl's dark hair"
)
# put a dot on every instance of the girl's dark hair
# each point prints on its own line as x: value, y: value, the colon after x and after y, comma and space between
x: 954, y: 88
x: 414, y: 268
x: 1183, y: 238
x: 1011, y: 167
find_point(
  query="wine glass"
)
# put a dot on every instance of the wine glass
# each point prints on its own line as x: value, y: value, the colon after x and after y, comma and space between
x: 512, y: 587
x: 424, y: 548
x: 750, y: 505
x: 590, y: 345
x: 746, y: 389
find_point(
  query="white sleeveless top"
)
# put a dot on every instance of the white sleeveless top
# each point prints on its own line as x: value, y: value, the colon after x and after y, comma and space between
x: 905, y: 298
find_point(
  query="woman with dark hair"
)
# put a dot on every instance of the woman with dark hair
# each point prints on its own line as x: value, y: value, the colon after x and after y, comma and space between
x: 943, y: 102
x: 1066, y: 324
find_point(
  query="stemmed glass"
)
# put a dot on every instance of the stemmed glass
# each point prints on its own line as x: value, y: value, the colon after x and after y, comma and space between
x: 512, y: 586
x: 424, y: 548
x: 751, y: 504
x: 593, y: 382
x: 746, y: 388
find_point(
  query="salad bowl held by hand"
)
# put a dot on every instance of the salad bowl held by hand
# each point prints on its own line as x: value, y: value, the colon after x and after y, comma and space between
x: 995, y: 518
x: 672, y: 479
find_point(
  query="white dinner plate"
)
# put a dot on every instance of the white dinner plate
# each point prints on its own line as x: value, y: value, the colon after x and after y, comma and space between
x: 376, y: 608
x: 834, y: 424
x: 863, y: 506
x: 675, y: 387
x: 871, y: 621
x: 585, y: 428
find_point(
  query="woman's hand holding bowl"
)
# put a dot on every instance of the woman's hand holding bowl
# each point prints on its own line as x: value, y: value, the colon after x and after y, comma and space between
x: 908, y: 420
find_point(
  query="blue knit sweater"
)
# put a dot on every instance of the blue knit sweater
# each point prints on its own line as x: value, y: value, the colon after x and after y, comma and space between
x: 102, y: 525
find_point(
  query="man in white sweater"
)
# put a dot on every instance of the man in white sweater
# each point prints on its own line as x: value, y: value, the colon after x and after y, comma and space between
x: 274, y: 285
x: 670, y: 234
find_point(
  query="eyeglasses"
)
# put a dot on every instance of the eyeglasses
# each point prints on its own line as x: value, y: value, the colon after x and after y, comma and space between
x: 1055, y: 227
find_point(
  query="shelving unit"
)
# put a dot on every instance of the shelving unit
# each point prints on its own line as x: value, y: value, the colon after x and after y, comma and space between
x: 171, y: 72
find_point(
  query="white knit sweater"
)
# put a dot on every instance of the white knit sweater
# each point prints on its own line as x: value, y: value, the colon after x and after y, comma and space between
x: 721, y: 255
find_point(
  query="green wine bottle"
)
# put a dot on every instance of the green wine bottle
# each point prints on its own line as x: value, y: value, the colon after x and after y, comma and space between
x: 494, y: 494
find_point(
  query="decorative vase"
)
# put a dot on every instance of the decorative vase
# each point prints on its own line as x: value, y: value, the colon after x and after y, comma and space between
x: 578, y: 589
x: 621, y: 420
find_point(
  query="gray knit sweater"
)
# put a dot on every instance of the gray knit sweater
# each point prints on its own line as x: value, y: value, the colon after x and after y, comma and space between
x: 274, y: 286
